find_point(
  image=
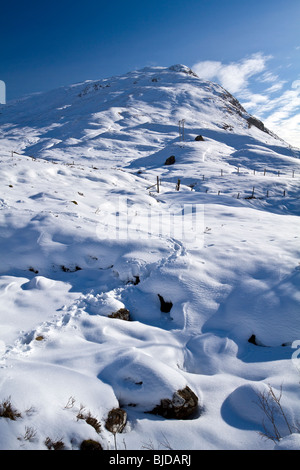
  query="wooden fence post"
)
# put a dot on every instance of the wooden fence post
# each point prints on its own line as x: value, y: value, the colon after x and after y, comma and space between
x: 181, y: 129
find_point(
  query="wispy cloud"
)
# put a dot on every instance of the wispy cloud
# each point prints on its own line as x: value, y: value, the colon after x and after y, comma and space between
x: 261, y: 91
x: 234, y: 76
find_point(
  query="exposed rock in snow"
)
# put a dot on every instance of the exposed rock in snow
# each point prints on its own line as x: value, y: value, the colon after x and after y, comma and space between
x: 116, y: 420
x: 184, y: 403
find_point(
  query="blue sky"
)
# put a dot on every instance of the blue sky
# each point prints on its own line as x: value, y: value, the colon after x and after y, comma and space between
x: 252, y: 48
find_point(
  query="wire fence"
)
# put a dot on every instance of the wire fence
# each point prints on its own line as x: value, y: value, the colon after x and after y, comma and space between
x: 253, y: 193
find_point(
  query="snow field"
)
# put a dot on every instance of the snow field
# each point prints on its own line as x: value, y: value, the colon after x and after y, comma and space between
x: 84, y: 235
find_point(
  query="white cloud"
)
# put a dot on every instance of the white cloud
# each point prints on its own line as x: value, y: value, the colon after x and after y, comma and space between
x: 282, y: 114
x: 278, y: 105
x: 276, y: 87
x: 287, y: 128
x: 296, y: 84
x: 252, y: 100
x: 234, y: 76
x: 269, y: 77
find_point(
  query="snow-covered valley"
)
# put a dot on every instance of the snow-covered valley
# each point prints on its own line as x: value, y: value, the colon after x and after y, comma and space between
x: 93, y: 220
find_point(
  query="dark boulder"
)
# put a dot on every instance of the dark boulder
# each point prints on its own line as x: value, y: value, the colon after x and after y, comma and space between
x: 170, y: 160
x: 199, y: 138
x: 253, y: 340
x: 253, y: 121
x: 90, y: 444
x: 165, y: 307
x: 122, y: 314
x: 183, y: 405
x: 116, y: 420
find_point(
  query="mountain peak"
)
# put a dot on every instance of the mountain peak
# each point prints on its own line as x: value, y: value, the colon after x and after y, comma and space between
x: 126, y: 117
x: 183, y: 69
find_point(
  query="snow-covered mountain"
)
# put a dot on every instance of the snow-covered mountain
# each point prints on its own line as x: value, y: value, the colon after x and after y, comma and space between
x: 117, y: 195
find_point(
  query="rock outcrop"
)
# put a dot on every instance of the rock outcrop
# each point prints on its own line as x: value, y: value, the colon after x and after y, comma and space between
x: 184, y: 403
x: 116, y: 420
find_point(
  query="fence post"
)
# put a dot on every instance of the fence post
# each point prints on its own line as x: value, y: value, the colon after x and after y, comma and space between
x: 181, y: 129
x: 157, y: 183
x: 178, y: 185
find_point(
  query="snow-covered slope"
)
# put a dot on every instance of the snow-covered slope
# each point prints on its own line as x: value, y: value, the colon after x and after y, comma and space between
x: 85, y: 231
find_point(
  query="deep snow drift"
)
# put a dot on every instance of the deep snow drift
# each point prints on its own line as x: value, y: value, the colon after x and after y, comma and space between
x: 85, y: 231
